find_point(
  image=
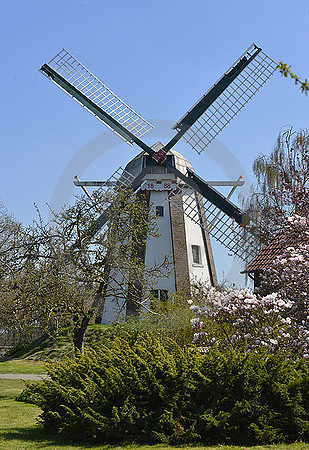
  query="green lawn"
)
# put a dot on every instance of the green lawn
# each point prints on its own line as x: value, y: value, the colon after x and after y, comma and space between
x: 22, y: 366
x: 58, y: 346
x: 19, y: 430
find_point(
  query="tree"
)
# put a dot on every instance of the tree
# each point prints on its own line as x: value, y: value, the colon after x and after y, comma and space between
x: 282, y: 187
x: 33, y: 295
x: 69, y: 266
x: 288, y: 277
x: 275, y: 317
x: 10, y: 232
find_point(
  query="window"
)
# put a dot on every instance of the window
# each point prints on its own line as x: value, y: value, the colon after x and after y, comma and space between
x: 159, y: 294
x: 154, y: 293
x: 159, y: 211
x: 163, y: 295
x: 196, y: 254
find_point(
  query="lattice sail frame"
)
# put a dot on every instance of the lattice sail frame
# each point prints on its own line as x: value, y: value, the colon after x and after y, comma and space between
x: 95, y: 90
x: 231, y: 101
x: 220, y: 226
x: 120, y: 179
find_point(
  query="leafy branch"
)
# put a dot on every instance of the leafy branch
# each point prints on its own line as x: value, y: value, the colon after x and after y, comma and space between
x: 286, y: 71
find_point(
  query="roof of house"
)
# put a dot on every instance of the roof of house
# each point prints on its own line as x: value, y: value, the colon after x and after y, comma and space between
x: 267, y: 255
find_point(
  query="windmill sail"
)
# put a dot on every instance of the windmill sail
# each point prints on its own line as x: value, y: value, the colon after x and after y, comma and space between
x: 219, y: 225
x: 121, y: 180
x: 258, y: 68
x: 77, y: 81
x: 199, y: 126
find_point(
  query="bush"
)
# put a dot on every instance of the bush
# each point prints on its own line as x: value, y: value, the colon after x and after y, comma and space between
x: 252, y: 398
x: 241, y: 320
x: 131, y: 389
x: 167, y: 319
x: 140, y: 389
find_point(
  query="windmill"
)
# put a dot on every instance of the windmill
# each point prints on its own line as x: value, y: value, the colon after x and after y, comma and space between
x: 195, y: 209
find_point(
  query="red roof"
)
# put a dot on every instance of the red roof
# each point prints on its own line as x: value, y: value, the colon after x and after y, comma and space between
x: 267, y: 255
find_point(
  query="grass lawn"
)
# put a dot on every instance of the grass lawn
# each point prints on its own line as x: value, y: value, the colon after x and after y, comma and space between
x: 57, y: 346
x: 22, y: 366
x: 19, y: 430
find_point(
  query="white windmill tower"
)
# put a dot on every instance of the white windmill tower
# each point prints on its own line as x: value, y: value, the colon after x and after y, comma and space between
x: 188, y: 207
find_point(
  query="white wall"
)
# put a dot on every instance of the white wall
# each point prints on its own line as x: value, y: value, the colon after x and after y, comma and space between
x: 158, y: 248
x: 194, y: 236
x: 114, y: 310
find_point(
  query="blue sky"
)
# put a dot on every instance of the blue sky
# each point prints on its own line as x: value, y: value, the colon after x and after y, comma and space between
x: 159, y: 57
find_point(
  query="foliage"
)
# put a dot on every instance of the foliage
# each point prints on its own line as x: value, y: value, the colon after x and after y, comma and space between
x: 253, y: 398
x: 65, y: 269
x: 10, y: 233
x: 275, y: 317
x: 141, y: 389
x: 18, y: 429
x: 166, y: 319
x: 34, y: 296
x: 130, y: 389
x: 238, y: 319
x: 35, y: 299
x: 286, y: 71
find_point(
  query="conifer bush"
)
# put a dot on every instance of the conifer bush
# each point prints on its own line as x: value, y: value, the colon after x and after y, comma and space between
x: 137, y: 388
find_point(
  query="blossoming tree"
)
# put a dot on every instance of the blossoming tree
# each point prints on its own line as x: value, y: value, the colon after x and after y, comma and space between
x: 269, y: 321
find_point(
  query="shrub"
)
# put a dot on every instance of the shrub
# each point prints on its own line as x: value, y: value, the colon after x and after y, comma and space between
x: 133, y: 388
x: 167, y: 319
x: 241, y: 320
x: 252, y: 398
x: 137, y: 388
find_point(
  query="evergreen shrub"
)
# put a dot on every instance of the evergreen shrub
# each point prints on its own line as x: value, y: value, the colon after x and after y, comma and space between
x: 137, y: 388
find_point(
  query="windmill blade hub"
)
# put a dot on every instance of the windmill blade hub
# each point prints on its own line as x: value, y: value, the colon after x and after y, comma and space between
x: 159, y: 156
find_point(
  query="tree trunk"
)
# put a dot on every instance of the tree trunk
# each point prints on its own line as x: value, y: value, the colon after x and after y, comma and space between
x: 80, y: 327
x: 81, y: 324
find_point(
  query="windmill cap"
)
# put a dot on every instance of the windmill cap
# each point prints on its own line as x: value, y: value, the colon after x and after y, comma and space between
x: 137, y: 163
